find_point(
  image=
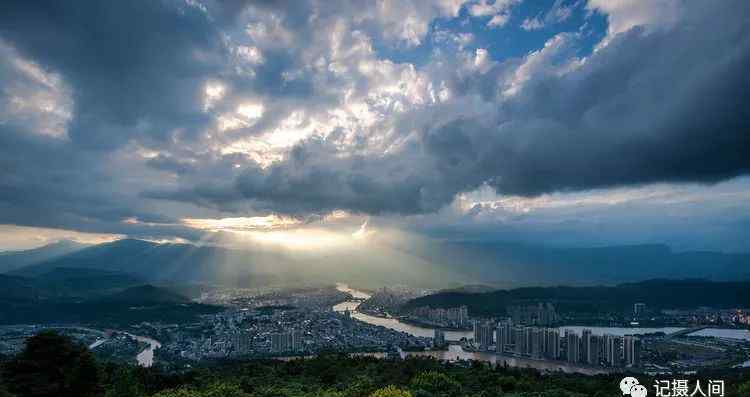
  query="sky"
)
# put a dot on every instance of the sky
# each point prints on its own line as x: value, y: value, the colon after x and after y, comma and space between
x: 308, y: 122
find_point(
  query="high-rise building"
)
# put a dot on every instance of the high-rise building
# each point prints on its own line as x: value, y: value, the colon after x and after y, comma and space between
x: 595, y: 350
x: 483, y: 333
x: 539, y: 314
x: 280, y: 342
x: 297, y: 340
x: 639, y: 309
x: 503, y: 336
x: 552, y: 346
x: 461, y: 315
x: 439, y: 340
x: 572, y: 346
x: 631, y: 350
x: 527, y: 341
x: 241, y: 342
x: 453, y: 316
x: 613, y: 350
x: 586, y: 345
x: 283, y: 342
x: 538, y: 342
x: 519, y: 340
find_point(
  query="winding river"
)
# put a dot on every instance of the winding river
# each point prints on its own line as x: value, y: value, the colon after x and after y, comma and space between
x: 144, y: 358
x: 456, y: 352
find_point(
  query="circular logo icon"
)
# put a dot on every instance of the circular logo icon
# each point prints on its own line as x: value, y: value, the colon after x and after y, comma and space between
x: 627, y: 383
x: 638, y: 391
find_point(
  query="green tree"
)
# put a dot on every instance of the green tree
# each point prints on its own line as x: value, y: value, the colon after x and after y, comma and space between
x: 390, y: 391
x: 436, y: 383
x: 52, y: 365
x: 743, y: 390
x: 219, y: 389
x: 4, y: 392
x: 182, y: 392
x: 125, y: 384
x: 224, y: 390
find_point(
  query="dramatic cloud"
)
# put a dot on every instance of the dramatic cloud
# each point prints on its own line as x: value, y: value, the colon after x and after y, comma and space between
x: 151, y: 119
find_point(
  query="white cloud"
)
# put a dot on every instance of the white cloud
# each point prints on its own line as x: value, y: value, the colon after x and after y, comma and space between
x: 499, y: 11
x: 532, y: 24
x: 625, y: 14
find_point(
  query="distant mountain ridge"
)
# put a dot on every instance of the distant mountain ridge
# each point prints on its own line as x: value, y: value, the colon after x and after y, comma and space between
x: 436, y: 264
x: 509, y: 265
x: 64, y: 283
x: 656, y: 293
x: 185, y: 263
x: 11, y: 260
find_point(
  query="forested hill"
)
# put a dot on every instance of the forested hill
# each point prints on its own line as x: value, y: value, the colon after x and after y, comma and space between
x: 62, y: 368
x: 662, y: 294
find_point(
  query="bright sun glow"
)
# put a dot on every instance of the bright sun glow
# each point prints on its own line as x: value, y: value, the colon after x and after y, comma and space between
x: 282, y: 231
x: 251, y: 111
x: 300, y: 238
x: 241, y: 224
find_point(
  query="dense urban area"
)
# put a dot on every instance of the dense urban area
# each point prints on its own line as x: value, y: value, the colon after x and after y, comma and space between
x: 302, y: 322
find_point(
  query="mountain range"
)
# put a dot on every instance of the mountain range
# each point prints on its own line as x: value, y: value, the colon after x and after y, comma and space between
x: 433, y: 265
x: 655, y: 294
x: 11, y: 260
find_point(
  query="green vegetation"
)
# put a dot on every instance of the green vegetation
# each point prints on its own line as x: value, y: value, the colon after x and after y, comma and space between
x: 53, y: 366
x: 29, y: 301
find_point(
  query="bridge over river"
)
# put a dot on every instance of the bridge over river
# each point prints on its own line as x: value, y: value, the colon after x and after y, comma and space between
x: 687, y: 331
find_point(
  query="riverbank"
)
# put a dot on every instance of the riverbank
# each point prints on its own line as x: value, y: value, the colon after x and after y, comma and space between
x: 419, y: 323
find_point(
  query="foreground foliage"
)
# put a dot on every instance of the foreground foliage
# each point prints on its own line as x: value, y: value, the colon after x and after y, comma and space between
x: 51, y: 365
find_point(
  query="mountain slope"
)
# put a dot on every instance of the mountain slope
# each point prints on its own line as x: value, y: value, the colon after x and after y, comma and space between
x: 144, y: 295
x: 11, y: 260
x: 511, y: 265
x: 255, y: 266
x: 81, y: 282
x: 14, y: 288
x: 433, y: 265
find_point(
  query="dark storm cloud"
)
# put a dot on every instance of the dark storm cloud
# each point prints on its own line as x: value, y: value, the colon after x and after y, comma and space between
x: 136, y: 68
x: 46, y: 182
x: 667, y: 106
x: 170, y: 164
x: 663, y: 105
x: 135, y: 71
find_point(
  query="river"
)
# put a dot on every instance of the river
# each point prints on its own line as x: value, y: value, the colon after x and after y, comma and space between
x: 416, y: 330
x: 456, y: 352
x: 144, y: 358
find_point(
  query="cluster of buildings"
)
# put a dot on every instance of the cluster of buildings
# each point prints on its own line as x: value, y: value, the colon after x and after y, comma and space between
x: 741, y: 317
x: 547, y: 343
x: 454, y: 317
x: 291, y: 341
x: 543, y: 314
x: 388, y: 300
x: 277, y: 332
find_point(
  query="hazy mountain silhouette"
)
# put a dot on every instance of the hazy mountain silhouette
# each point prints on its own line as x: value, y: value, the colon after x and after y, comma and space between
x: 656, y: 294
x: 436, y: 264
x: 513, y: 265
x: 11, y: 260
x: 185, y: 263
